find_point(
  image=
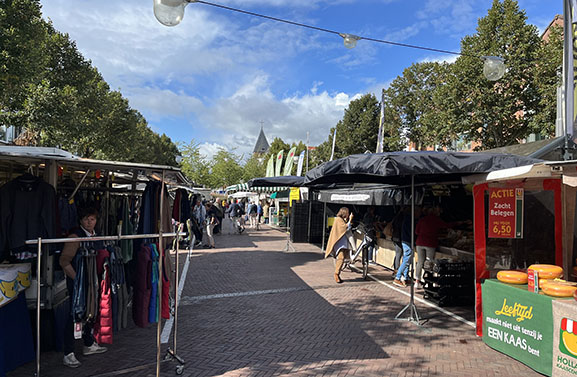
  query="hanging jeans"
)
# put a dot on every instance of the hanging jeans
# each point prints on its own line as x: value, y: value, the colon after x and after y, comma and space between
x: 69, y: 328
x: 407, y: 260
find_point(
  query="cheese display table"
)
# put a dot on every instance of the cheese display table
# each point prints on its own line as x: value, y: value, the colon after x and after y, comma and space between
x: 538, y: 330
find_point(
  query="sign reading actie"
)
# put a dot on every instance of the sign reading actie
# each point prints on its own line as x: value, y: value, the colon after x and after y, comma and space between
x: 506, y: 213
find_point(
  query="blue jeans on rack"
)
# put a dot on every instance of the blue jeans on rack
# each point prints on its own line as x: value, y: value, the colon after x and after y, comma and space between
x: 407, y: 260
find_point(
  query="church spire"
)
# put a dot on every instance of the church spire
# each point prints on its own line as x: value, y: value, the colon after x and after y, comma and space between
x: 261, y: 146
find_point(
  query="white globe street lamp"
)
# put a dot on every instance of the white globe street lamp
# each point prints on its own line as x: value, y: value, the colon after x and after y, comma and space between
x: 169, y: 12
x: 493, y: 67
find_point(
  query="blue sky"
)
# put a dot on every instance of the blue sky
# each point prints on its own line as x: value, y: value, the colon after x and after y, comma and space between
x: 220, y: 74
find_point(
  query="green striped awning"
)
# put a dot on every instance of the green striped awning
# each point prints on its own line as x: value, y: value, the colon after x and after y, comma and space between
x: 244, y: 187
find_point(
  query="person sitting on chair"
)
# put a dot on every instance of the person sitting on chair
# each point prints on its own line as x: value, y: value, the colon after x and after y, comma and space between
x: 339, y: 245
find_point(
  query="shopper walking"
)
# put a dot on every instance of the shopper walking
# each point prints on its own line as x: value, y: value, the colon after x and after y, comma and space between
x: 252, y: 214
x: 340, y: 243
x: 407, y: 233
x: 88, y: 218
x: 211, y: 222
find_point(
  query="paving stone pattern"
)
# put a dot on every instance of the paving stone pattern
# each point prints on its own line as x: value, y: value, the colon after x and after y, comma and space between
x: 250, y: 309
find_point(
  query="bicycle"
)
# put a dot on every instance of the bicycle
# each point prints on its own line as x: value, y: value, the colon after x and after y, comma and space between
x: 362, y: 249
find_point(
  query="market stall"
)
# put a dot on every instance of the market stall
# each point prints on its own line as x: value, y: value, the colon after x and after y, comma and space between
x: 410, y: 168
x: 525, y: 216
x: 59, y: 183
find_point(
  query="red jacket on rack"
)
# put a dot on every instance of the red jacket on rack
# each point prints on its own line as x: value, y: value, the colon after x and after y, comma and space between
x: 103, y: 325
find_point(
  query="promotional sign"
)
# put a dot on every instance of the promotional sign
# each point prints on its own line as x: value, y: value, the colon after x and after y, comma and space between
x: 278, y: 164
x: 300, y: 164
x: 270, y: 167
x: 288, y: 165
x: 519, y: 324
x: 565, y: 338
x: 506, y: 213
x: 533, y: 281
x: 295, y: 194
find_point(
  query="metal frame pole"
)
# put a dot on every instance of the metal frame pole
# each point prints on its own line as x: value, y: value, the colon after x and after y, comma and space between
x: 324, y: 225
x: 413, y: 314
x: 38, y: 264
x: 160, y: 277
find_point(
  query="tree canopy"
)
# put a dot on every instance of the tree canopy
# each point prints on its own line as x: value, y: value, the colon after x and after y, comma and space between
x: 49, y: 89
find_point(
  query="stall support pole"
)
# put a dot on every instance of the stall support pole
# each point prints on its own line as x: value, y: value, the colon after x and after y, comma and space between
x: 160, y: 267
x: 176, y: 282
x: 324, y: 225
x: 289, y: 246
x: 38, y: 264
x: 310, y: 215
x: 413, y: 314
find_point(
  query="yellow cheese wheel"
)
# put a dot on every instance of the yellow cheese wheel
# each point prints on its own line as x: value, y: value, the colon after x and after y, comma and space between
x: 547, y: 271
x: 559, y: 288
x: 542, y: 282
x: 512, y: 277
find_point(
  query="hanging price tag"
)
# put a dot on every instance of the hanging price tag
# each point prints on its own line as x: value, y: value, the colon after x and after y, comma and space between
x: 77, y: 330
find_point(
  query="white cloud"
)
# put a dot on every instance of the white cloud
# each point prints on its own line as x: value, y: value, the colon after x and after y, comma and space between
x: 208, y: 150
x: 439, y: 59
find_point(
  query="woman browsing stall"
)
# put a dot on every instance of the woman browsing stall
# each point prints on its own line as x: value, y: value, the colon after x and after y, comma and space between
x: 88, y: 218
x: 339, y: 245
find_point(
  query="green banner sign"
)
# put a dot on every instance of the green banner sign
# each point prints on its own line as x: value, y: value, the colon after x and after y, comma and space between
x: 519, y: 323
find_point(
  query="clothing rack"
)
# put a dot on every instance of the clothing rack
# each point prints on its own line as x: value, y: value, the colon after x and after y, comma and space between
x: 119, y: 237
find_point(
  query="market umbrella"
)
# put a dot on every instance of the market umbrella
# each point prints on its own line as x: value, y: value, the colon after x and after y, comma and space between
x: 404, y: 168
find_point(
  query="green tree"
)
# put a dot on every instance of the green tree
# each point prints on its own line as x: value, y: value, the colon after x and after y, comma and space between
x: 413, y: 108
x: 254, y: 167
x: 23, y: 55
x: 194, y: 165
x: 225, y: 169
x: 496, y: 113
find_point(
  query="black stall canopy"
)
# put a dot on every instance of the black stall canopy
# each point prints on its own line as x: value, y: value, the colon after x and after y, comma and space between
x: 397, y: 168
x: 371, y: 196
x: 280, y: 181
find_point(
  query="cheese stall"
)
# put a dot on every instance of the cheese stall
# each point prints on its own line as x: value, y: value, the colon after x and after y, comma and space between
x: 525, y: 262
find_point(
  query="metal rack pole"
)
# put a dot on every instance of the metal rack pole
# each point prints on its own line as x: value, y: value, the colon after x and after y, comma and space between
x: 38, y: 306
x: 40, y: 242
x: 160, y: 277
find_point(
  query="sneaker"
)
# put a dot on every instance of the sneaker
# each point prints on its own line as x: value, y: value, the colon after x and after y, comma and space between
x: 93, y: 349
x: 399, y: 283
x: 71, y: 361
x: 419, y: 285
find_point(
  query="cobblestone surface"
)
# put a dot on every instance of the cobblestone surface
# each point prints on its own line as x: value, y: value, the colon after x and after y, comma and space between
x: 250, y: 309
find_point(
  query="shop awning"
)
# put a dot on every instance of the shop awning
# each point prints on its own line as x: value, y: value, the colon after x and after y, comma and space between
x: 371, y: 197
x: 285, y: 181
x: 397, y: 168
x: 245, y: 187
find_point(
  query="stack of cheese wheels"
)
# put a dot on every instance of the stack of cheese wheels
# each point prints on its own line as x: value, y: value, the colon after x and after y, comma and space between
x: 512, y: 277
x: 559, y: 288
x: 547, y: 271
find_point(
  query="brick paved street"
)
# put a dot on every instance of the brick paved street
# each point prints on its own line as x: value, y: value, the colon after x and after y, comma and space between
x: 249, y: 309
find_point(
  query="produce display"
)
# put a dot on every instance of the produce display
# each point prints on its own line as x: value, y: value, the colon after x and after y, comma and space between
x: 512, y: 277
x: 559, y: 288
x: 547, y: 271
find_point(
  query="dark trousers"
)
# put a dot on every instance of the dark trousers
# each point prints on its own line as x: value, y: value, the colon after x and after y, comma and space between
x: 87, y: 336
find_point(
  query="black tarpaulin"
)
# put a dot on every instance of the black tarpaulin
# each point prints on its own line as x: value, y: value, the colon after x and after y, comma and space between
x: 372, y: 197
x: 284, y: 181
x: 396, y: 168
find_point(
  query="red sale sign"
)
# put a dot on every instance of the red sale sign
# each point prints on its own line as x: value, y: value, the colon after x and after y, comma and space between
x: 506, y: 213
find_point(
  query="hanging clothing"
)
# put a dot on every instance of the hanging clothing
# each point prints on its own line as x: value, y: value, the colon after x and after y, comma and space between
x: 153, y: 306
x: 142, y: 286
x: 103, y: 325
x: 28, y: 212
